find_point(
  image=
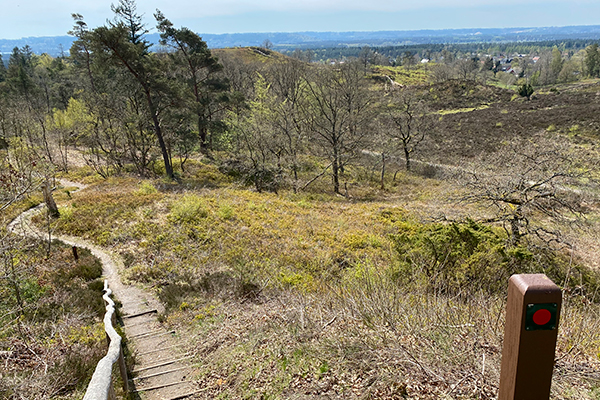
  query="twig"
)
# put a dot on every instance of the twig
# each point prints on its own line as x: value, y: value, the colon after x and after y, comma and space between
x: 482, y: 375
x: 329, y: 323
x: 425, y: 370
x: 458, y: 383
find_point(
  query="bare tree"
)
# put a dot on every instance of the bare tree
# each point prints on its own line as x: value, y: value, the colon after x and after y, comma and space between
x: 530, y: 188
x: 440, y: 73
x: 289, y: 123
x: 339, y: 110
x: 466, y: 68
x: 256, y: 140
x: 406, y: 122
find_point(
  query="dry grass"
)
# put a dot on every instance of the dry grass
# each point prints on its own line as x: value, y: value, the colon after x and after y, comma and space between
x: 54, y: 334
x: 307, y: 296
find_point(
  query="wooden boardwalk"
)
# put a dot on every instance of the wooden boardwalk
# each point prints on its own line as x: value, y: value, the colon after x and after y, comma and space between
x: 162, y: 369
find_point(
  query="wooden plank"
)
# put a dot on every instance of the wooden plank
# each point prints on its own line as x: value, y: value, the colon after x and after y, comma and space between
x: 161, y: 364
x: 155, y: 336
x: 184, y: 396
x: 157, y: 350
x: 161, y: 386
x: 147, y: 333
x: 140, y: 314
x: 137, y: 378
x: 148, y: 322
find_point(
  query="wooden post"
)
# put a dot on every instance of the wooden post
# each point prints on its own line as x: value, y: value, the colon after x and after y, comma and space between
x: 75, y: 254
x: 111, y: 392
x: 49, y: 200
x: 532, y: 314
x: 123, y: 371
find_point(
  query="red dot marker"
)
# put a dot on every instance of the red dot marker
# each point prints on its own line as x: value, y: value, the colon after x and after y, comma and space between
x: 542, y: 317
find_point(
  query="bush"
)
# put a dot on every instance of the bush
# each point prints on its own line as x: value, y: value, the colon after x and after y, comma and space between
x: 59, y: 324
x: 525, y: 90
x: 145, y: 188
x: 470, y: 257
x: 189, y: 209
x: 458, y: 257
x: 263, y: 178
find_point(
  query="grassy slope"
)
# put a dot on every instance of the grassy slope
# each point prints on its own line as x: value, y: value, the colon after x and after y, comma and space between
x: 302, y: 295
x: 57, y: 334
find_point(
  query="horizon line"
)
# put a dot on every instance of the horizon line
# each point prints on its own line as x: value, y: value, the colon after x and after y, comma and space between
x: 345, y: 31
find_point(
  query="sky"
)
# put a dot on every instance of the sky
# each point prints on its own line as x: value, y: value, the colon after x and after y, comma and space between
x: 53, y: 17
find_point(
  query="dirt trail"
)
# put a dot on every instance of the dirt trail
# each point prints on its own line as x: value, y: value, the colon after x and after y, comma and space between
x: 162, y: 370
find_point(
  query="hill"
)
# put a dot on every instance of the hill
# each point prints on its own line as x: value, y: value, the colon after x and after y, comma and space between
x: 296, y: 251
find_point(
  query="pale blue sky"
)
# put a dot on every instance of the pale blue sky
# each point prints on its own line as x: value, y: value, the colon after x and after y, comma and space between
x: 53, y: 17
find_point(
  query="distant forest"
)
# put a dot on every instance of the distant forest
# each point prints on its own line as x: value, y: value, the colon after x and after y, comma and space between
x: 427, y: 50
x: 348, y: 44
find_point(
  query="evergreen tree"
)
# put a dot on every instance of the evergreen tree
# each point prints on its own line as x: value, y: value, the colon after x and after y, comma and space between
x: 126, y: 13
x: 208, y: 89
x: 592, y: 60
x: 20, y: 71
x: 526, y: 90
x: 122, y: 45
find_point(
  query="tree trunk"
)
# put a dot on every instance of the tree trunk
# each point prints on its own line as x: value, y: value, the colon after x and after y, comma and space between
x: 335, y: 166
x: 407, y: 157
x: 203, y: 133
x: 159, y: 136
x: 382, y: 171
x: 49, y: 200
x: 515, y: 234
x: 163, y: 148
x: 295, y: 170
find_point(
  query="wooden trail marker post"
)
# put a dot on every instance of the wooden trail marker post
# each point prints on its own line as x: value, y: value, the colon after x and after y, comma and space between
x: 532, y: 314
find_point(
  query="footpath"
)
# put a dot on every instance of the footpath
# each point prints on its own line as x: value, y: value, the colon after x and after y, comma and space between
x: 162, y: 371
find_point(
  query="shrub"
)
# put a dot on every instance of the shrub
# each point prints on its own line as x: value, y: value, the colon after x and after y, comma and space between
x: 145, y: 188
x: 189, y: 209
x: 525, y: 90
x: 457, y: 257
x: 470, y: 257
x: 226, y: 211
x: 574, y: 130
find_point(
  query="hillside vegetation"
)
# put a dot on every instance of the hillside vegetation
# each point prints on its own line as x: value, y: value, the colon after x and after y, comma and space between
x: 286, y: 295
x: 339, y: 230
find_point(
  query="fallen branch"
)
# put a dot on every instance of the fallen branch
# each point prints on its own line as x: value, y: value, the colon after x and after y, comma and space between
x: 316, y: 177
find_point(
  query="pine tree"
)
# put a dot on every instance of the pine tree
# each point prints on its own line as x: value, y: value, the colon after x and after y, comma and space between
x: 122, y: 44
x: 126, y: 12
x: 592, y: 60
x: 209, y: 91
x: 2, y: 70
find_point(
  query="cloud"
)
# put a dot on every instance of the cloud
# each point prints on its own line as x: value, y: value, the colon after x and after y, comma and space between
x: 46, y: 18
